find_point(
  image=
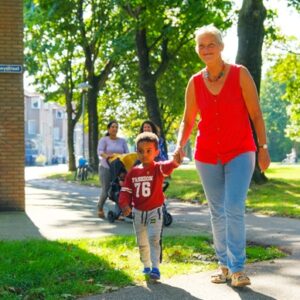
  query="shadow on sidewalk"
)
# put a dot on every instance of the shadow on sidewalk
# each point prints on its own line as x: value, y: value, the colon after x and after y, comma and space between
x: 159, y: 291
x: 247, y: 293
x: 17, y: 226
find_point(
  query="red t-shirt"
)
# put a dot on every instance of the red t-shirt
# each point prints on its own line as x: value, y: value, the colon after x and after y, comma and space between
x: 142, y: 188
x: 224, y: 130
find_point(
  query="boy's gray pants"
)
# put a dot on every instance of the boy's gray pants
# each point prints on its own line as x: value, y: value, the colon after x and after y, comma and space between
x: 148, y: 227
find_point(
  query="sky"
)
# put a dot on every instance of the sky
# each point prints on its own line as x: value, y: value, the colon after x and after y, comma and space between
x: 287, y: 18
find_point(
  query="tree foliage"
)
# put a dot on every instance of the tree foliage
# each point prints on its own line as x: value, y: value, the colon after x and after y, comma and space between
x: 276, y: 117
x: 162, y: 31
x: 93, y: 31
x: 52, y: 57
x: 137, y: 56
x: 287, y: 72
x: 295, y: 4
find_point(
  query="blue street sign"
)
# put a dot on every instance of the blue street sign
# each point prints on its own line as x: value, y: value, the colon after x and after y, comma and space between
x: 11, y: 69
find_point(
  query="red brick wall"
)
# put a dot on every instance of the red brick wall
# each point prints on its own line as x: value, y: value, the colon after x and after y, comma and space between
x: 11, y: 108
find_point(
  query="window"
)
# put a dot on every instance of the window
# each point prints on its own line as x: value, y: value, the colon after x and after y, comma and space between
x: 59, y: 114
x: 56, y: 133
x: 31, y: 127
x: 35, y: 103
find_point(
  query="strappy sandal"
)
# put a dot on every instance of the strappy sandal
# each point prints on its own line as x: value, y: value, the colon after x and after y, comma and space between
x: 221, y: 276
x: 240, y: 279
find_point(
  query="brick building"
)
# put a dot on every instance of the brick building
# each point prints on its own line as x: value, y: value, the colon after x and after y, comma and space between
x: 12, y: 196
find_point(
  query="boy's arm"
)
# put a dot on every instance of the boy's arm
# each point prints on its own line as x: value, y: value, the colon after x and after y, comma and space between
x: 124, y: 202
x: 168, y: 166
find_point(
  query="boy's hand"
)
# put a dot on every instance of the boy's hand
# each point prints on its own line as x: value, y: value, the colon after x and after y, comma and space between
x: 126, y: 211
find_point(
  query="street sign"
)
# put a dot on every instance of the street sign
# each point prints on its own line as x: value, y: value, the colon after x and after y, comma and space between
x: 11, y: 68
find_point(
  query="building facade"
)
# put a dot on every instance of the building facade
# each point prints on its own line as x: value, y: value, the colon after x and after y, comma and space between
x: 45, y: 131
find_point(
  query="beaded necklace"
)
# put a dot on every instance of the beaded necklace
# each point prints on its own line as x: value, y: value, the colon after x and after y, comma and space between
x: 219, y: 76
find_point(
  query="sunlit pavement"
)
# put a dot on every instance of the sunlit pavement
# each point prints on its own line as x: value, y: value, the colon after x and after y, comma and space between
x: 36, y: 172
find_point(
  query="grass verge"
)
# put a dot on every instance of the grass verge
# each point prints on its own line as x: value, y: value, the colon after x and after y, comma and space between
x: 280, y: 196
x: 66, y: 269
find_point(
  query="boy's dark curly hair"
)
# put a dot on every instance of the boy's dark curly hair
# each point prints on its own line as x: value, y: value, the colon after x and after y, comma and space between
x: 147, y: 137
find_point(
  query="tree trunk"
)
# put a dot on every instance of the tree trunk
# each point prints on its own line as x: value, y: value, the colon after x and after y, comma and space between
x: 97, y: 83
x: 71, y: 150
x: 71, y: 123
x: 250, y: 40
x: 147, y: 82
x: 93, y: 130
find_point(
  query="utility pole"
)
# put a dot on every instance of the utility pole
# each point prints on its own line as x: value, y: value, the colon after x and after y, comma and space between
x: 84, y: 87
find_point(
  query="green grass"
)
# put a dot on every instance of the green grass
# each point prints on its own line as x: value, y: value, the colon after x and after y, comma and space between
x: 39, y: 269
x: 185, y: 185
x: 93, y: 178
x: 280, y: 196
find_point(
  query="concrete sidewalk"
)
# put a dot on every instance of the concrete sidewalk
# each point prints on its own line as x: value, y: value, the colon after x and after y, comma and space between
x: 56, y: 209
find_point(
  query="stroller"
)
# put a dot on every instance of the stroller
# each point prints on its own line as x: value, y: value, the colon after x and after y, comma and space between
x: 119, y: 166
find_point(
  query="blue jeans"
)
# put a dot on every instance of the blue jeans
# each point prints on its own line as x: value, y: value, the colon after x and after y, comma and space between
x: 226, y: 187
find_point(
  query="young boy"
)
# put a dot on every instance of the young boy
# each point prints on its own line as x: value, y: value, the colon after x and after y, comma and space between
x: 142, y: 190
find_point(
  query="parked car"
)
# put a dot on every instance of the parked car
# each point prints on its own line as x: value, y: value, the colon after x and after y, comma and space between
x: 185, y: 161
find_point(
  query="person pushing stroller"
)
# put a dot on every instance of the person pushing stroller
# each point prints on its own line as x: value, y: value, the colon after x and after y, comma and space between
x: 142, y: 194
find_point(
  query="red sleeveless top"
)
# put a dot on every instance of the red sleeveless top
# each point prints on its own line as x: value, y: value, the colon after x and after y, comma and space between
x: 224, y: 130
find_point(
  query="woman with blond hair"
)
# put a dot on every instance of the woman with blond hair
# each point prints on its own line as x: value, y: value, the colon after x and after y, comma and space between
x: 224, y: 96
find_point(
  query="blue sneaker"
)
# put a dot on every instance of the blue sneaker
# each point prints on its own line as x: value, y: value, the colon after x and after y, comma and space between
x: 147, y: 271
x: 155, y: 274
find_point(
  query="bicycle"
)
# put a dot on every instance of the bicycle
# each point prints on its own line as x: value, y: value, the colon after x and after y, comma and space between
x: 82, y: 171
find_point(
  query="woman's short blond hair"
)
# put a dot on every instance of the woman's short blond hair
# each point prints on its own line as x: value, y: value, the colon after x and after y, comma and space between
x: 208, y: 29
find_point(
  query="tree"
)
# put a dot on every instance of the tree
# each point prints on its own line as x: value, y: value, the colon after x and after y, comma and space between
x: 276, y: 117
x: 287, y: 72
x: 144, y: 47
x: 91, y: 29
x: 251, y: 36
x: 51, y: 56
x: 163, y: 33
x: 250, y: 40
x: 98, y: 27
x: 295, y: 4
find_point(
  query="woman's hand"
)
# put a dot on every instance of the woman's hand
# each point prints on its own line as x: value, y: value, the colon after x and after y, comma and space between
x: 179, y: 153
x: 177, y: 159
x: 107, y: 155
x: 263, y: 159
